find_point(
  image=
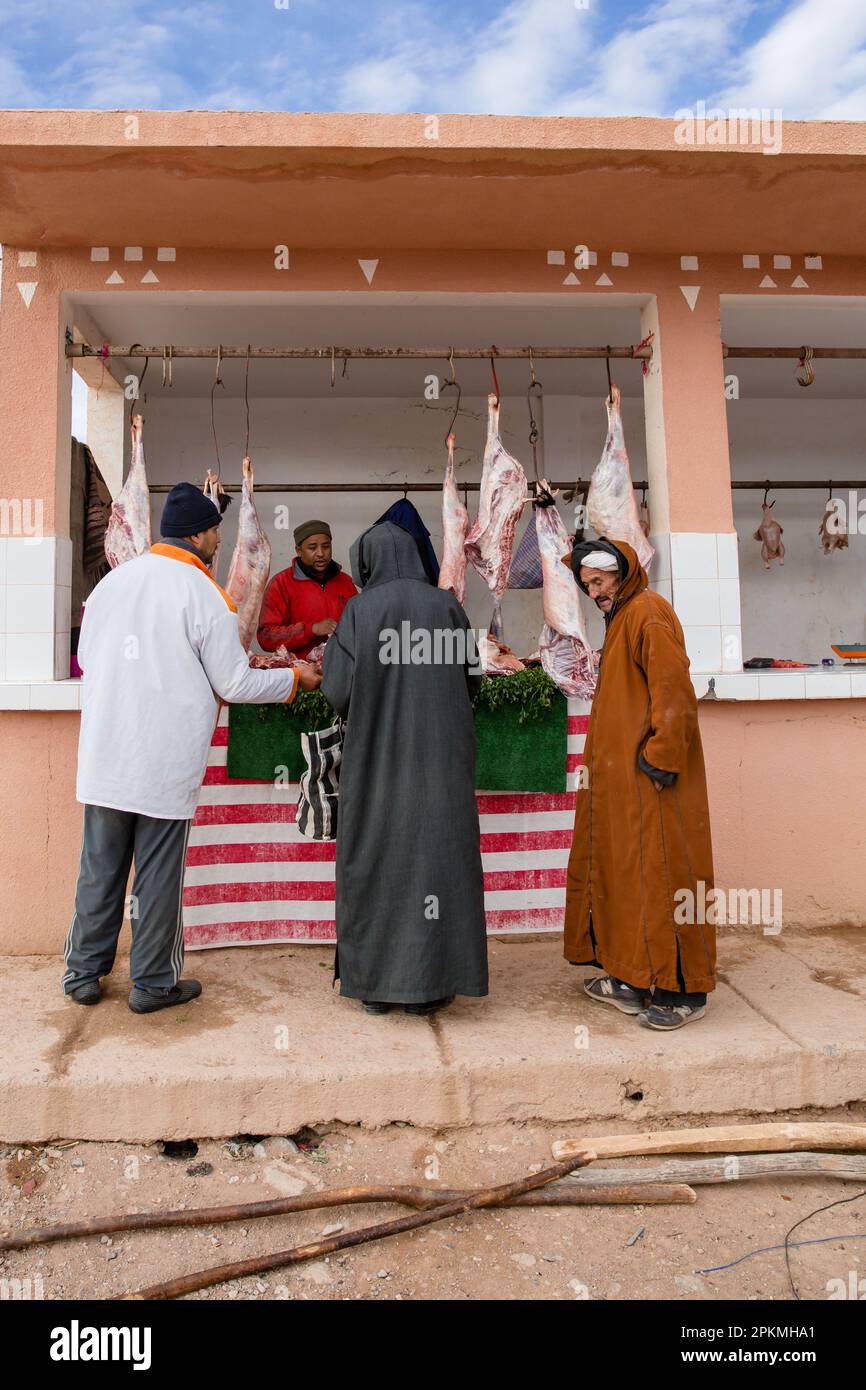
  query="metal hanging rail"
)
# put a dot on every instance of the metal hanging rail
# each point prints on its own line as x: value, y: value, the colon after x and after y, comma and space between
x: 581, y: 485
x: 325, y: 354
x: 637, y: 352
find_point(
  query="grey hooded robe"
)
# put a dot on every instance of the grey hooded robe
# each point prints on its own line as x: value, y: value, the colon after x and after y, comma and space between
x: 410, y: 887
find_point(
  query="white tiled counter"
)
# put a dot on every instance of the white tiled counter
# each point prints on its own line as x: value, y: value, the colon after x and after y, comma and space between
x: 62, y: 695
x: 833, y: 683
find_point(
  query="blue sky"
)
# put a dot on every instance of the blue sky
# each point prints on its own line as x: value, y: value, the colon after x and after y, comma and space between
x: 533, y: 57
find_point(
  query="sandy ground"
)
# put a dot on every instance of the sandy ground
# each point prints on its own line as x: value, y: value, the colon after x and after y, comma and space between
x: 607, y: 1253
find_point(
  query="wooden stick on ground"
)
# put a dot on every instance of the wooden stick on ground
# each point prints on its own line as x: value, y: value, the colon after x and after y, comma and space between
x: 780, y: 1137
x: 261, y: 1264
x: 422, y: 1198
x: 846, y: 1166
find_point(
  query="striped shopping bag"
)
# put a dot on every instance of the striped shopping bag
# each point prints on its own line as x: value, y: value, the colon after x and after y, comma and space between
x: 320, y: 783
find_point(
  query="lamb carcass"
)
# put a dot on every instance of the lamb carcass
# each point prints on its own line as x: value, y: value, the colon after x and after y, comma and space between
x: 128, y: 532
x: 769, y: 533
x: 563, y: 646
x: 455, y: 524
x: 503, y: 493
x: 251, y: 562
x: 611, y: 506
x: 833, y: 532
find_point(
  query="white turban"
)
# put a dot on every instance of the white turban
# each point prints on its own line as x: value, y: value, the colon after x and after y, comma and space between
x: 599, y: 560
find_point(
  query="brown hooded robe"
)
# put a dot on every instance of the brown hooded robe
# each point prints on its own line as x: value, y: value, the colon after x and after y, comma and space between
x: 634, y: 847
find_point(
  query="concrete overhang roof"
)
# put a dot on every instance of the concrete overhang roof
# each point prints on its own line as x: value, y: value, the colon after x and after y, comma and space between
x: 239, y: 180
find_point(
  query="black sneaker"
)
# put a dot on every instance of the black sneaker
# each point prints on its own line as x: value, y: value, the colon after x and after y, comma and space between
x: 666, y: 1017
x: 375, y: 1006
x: 87, y: 994
x: 143, y: 1003
x: 607, y: 990
x: 428, y: 1007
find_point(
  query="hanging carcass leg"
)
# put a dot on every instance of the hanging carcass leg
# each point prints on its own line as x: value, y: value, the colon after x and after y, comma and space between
x: 455, y: 524
x: 490, y: 541
x: 251, y: 562
x: 128, y: 532
x: 611, y: 506
x: 564, y: 648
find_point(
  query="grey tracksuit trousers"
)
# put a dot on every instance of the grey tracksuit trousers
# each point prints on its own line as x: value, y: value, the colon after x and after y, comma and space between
x: 112, y: 841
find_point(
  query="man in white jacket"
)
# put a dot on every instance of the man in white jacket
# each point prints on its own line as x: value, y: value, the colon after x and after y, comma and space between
x: 159, y: 649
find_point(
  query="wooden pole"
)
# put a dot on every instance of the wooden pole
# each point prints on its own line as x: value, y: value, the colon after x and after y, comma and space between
x: 697, y: 1171
x: 422, y: 1198
x: 780, y: 1137
x: 262, y: 1264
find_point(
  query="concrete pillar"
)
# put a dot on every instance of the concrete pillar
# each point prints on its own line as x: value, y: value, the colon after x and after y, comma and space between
x: 35, y: 425
x: 106, y: 419
x: 689, y: 477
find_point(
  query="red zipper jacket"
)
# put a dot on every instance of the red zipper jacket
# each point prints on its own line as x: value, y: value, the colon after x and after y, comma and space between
x: 293, y: 602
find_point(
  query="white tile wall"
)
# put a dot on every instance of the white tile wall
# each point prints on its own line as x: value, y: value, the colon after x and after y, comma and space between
x: 706, y: 596
x: 704, y: 646
x: 728, y: 554
x: 694, y: 555
x: 663, y: 587
x: 30, y: 656
x: 697, y: 602
x: 732, y: 648
x: 30, y: 608
x: 35, y: 595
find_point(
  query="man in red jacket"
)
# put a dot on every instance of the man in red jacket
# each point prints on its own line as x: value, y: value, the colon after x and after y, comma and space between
x: 303, y: 604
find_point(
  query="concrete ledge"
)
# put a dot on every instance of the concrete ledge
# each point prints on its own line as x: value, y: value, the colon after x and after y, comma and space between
x: 269, y: 1047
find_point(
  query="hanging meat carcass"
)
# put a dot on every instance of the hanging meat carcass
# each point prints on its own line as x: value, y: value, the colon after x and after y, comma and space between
x: 251, y: 562
x: 832, y: 530
x: 611, y: 506
x: 128, y: 532
x: 503, y: 493
x: 563, y: 646
x: 769, y: 533
x: 455, y: 524
x: 216, y: 493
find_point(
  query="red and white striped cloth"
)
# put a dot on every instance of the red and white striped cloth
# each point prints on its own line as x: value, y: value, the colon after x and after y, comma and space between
x: 252, y: 877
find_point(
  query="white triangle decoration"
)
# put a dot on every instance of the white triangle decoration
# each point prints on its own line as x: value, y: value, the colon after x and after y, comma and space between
x: 115, y: 278
x: 690, y: 295
x: 571, y: 279
x: 768, y: 284
x: 604, y: 280
x: 27, y: 289
x: 799, y: 283
x: 369, y: 268
x: 150, y: 278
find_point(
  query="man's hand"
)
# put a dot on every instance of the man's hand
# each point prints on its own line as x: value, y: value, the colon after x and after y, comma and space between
x: 309, y: 677
x: 324, y: 628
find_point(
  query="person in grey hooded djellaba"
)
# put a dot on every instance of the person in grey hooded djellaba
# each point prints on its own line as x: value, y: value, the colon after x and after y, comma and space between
x: 410, y: 888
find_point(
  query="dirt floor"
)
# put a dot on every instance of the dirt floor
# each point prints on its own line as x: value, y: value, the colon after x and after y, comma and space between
x: 608, y: 1253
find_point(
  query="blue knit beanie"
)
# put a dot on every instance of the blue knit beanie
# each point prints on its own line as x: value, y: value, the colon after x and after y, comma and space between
x: 187, y: 511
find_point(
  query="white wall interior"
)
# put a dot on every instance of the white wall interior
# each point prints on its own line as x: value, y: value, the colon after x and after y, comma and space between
x: 779, y: 430
x: 376, y: 424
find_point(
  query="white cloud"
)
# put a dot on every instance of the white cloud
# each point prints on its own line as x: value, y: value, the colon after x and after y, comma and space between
x: 522, y: 58
x: 811, y: 64
x: 382, y: 84
x: 642, y: 68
